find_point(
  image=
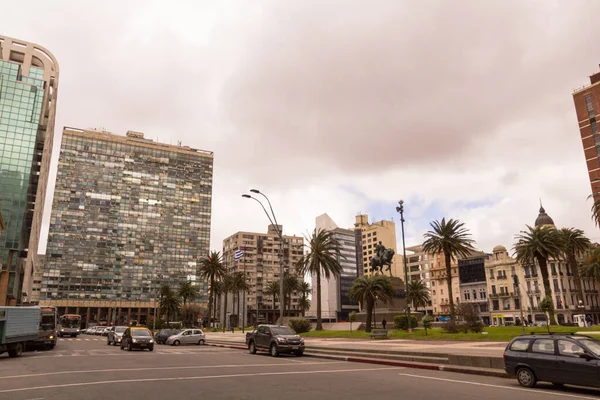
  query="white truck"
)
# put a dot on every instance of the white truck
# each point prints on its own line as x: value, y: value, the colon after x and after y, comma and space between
x: 19, y: 326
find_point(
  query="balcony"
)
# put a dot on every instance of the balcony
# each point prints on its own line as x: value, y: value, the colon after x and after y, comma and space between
x: 506, y: 294
x: 493, y: 295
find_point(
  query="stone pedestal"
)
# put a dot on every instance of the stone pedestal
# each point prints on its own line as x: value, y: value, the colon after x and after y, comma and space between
x: 390, y: 310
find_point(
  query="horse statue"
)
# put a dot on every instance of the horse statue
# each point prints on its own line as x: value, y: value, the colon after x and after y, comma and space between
x: 383, y: 258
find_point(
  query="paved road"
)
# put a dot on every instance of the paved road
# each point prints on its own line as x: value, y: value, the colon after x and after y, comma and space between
x: 88, y: 369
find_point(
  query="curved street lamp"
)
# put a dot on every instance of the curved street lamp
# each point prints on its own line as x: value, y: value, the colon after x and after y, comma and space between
x: 280, y: 235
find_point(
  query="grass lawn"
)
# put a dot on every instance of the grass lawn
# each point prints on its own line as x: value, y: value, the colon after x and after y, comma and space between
x: 502, y: 333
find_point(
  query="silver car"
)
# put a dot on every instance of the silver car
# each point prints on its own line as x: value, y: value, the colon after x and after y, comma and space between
x: 115, y: 335
x: 188, y: 336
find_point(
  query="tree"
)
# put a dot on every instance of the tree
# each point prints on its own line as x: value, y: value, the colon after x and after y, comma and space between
x: 290, y: 285
x: 218, y: 291
x: 321, y: 259
x: 574, y: 244
x: 595, y: 209
x: 547, y: 307
x: 427, y: 321
x: 212, y: 269
x: 187, y: 292
x: 304, y: 302
x: 590, y: 264
x: 539, y: 244
x: 272, y: 290
x: 417, y: 294
x: 238, y: 284
x: 367, y: 288
x: 352, y: 318
x: 451, y: 239
x: 169, y: 303
x: 226, y: 288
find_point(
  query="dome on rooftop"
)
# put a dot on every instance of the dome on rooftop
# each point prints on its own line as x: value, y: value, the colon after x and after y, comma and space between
x: 499, y: 249
x: 543, y: 218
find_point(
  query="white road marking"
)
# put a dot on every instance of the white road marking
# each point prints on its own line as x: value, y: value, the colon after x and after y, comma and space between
x: 163, y: 368
x: 187, y: 378
x: 520, y: 389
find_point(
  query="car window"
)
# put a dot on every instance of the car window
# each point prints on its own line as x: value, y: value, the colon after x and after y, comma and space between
x: 520, y: 345
x: 570, y: 349
x: 592, y: 344
x: 543, y: 346
x: 261, y: 329
x: 186, y: 333
x: 281, y: 330
x: 119, y: 330
x: 197, y: 332
x: 141, y: 332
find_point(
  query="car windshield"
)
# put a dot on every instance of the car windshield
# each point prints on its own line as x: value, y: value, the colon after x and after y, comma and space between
x: 141, y: 332
x: 592, y: 345
x: 281, y: 330
x: 120, y: 329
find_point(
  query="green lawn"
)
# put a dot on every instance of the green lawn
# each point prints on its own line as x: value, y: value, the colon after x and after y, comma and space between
x: 504, y: 333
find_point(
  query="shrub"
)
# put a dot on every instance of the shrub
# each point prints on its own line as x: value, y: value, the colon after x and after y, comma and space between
x: 401, y: 322
x: 300, y: 325
x: 451, y: 327
x: 427, y: 321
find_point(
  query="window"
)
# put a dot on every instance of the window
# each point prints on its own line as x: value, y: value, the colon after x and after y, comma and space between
x: 467, y: 295
x: 545, y: 346
x: 520, y: 345
x: 569, y: 349
x: 589, y: 105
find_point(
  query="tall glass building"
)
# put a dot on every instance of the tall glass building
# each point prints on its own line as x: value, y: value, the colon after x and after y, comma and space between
x: 129, y: 215
x: 28, y: 89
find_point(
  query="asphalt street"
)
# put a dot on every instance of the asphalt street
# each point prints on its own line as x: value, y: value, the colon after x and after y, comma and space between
x: 86, y: 368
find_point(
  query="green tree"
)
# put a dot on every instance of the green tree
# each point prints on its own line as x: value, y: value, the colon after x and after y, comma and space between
x: 451, y: 239
x: 547, y: 307
x: 226, y: 288
x: 574, y: 245
x: 218, y: 291
x: 595, y: 209
x: 272, y: 290
x: 427, y: 321
x: 417, y: 294
x: 187, y: 292
x: 212, y: 269
x: 367, y: 288
x: 538, y: 245
x: 169, y: 303
x: 352, y: 318
x: 590, y: 264
x: 238, y: 285
x: 304, y: 302
x: 291, y: 283
x: 321, y: 260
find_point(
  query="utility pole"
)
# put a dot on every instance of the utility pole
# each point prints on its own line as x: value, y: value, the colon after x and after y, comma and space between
x: 518, y: 291
x: 400, y: 209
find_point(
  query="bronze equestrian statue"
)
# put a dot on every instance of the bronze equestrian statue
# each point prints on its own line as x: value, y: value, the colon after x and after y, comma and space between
x: 383, y: 257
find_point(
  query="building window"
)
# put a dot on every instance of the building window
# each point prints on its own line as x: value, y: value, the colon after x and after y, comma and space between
x: 467, y: 295
x: 589, y: 105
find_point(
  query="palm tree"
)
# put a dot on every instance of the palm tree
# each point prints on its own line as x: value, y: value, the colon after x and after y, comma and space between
x: 574, y: 244
x: 169, y: 302
x: 218, y: 291
x: 322, y: 259
x: 367, y: 288
x: 539, y: 244
x: 304, y: 302
x: 417, y: 294
x: 451, y: 239
x: 187, y: 292
x: 290, y: 285
x: 226, y: 288
x: 212, y: 269
x: 595, y: 209
x: 590, y: 265
x: 238, y: 284
x: 272, y: 290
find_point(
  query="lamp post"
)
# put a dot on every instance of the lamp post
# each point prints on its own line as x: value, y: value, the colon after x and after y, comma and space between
x: 400, y: 209
x: 280, y: 235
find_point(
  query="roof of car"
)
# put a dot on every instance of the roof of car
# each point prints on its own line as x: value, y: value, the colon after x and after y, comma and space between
x: 540, y: 335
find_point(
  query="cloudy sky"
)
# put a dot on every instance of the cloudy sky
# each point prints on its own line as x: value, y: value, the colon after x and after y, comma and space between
x: 461, y: 108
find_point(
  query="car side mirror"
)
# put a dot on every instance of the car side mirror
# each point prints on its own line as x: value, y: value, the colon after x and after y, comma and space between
x: 586, y: 356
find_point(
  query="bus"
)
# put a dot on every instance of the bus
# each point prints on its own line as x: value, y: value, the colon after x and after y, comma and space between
x: 69, y: 324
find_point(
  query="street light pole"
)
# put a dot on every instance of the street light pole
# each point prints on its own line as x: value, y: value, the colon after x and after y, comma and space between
x: 280, y: 235
x: 400, y: 209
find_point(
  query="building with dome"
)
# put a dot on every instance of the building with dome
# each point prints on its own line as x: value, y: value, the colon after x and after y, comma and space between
x: 505, y: 301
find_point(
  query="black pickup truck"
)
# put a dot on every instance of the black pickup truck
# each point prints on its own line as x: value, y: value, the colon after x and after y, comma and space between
x: 275, y: 339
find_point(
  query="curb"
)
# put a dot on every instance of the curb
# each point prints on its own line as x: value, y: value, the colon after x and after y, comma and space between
x: 431, y: 367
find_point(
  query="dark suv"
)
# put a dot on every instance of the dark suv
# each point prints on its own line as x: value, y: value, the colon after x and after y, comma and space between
x: 275, y: 339
x: 556, y: 358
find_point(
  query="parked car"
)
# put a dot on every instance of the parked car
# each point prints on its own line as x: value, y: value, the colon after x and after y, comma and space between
x: 162, y: 336
x: 137, y: 337
x: 556, y: 358
x: 276, y: 340
x: 187, y: 336
x: 115, y: 334
x: 106, y: 331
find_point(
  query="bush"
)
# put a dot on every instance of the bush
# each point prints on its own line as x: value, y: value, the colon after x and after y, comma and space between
x: 300, y: 325
x: 401, y: 322
x: 427, y: 321
x: 451, y: 327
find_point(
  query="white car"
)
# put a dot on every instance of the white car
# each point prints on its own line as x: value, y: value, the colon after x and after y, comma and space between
x: 187, y: 336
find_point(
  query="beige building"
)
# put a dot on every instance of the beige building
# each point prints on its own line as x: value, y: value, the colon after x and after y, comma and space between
x: 261, y: 265
x: 506, y: 302
x: 439, y: 285
x: 373, y: 233
x: 419, y: 265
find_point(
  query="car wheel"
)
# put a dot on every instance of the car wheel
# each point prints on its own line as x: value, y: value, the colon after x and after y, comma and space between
x: 151, y: 348
x: 526, y: 378
x: 201, y: 342
x: 252, y: 348
x: 16, y: 351
x: 274, y: 351
x: 176, y: 343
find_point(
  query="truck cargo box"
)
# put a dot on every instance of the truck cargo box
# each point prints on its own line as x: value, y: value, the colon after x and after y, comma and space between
x: 18, y: 324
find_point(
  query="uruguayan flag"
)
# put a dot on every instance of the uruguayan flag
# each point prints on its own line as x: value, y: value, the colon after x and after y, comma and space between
x: 238, y: 254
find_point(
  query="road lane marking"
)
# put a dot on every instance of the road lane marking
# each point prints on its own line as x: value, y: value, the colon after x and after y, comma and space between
x: 189, y: 378
x: 167, y: 368
x: 520, y: 389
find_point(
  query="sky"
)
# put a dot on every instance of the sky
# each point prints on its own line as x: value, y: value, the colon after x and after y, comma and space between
x: 463, y: 109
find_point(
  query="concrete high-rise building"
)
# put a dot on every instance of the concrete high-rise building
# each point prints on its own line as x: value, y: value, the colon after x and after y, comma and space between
x: 28, y: 90
x: 587, y: 109
x: 335, y: 302
x: 261, y: 265
x: 129, y: 215
x: 373, y: 233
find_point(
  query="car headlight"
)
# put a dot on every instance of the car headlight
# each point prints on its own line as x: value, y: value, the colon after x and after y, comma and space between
x: 51, y: 337
x: 302, y: 341
x: 134, y: 340
x: 282, y: 340
x: 151, y: 341
x: 62, y: 330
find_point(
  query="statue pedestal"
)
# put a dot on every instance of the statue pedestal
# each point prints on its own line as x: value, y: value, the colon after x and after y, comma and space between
x: 390, y: 310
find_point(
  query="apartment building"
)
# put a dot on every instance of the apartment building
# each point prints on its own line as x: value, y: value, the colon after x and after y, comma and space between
x: 373, y: 233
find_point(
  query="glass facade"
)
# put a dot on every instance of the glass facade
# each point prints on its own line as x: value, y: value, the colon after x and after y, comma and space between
x: 21, y: 102
x: 129, y: 215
